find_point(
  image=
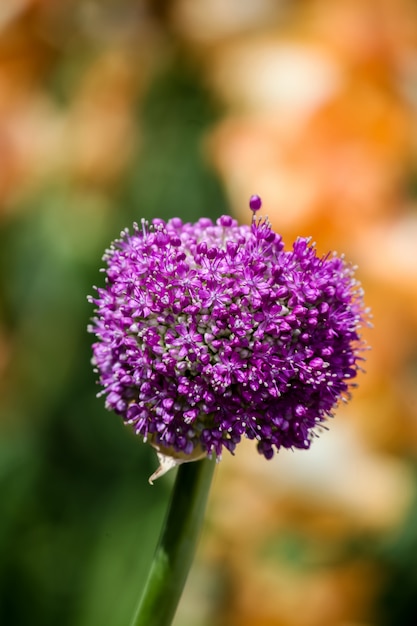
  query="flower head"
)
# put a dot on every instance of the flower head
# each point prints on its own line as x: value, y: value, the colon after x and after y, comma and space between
x: 208, y: 332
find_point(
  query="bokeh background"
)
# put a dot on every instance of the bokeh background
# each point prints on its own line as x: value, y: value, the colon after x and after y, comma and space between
x: 113, y: 110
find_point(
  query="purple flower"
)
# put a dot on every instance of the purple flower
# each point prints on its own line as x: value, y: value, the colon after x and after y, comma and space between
x: 210, y: 332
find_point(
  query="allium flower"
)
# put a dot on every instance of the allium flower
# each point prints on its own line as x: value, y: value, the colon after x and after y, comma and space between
x: 210, y: 332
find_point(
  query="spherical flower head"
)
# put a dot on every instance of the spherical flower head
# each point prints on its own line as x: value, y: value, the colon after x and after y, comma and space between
x: 209, y: 332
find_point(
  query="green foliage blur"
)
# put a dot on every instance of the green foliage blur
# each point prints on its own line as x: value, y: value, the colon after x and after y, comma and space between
x: 79, y: 520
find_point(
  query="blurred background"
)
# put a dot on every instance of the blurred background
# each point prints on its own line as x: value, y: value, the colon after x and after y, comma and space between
x: 113, y: 110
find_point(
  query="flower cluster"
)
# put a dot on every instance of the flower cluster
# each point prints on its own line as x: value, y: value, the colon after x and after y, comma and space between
x: 210, y: 332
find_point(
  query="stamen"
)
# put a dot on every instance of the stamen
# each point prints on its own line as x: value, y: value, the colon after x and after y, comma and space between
x: 255, y: 204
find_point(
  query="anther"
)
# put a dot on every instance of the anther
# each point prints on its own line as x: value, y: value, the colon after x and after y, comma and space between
x: 255, y: 203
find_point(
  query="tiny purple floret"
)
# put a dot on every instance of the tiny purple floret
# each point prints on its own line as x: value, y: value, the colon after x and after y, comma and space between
x: 210, y: 332
x: 255, y: 203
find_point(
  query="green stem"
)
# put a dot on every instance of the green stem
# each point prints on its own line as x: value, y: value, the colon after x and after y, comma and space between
x: 174, y: 554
